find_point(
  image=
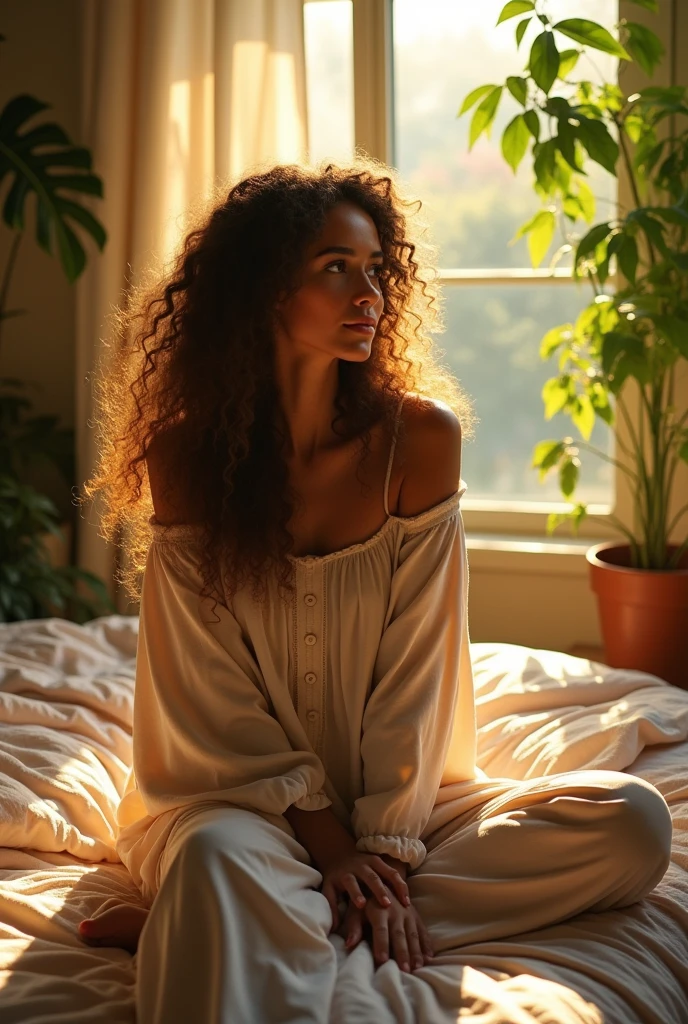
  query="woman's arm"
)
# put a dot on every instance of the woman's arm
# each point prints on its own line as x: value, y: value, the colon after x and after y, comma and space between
x: 419, y: 722
x: 322, y: 834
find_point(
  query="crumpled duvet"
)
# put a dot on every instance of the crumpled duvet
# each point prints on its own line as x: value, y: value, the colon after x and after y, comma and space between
x: 66, y: 701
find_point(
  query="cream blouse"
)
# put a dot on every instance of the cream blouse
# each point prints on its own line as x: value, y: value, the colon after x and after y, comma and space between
x: 357, y: 695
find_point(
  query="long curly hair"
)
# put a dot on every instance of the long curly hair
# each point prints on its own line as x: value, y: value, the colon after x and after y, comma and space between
x: 193, y: 351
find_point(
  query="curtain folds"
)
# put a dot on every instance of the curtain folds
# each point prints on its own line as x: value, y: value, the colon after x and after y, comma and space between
x: 176, y: 95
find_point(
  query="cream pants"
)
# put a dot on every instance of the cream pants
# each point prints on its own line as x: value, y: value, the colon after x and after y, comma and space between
x: 238, y: 932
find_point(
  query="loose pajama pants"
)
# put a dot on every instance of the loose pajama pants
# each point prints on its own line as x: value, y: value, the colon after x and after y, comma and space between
x: 238, y: 931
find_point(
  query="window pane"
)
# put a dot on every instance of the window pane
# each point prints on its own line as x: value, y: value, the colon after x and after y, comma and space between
x: 491, y: 344
x: 328, y: 29
x: 443, y: 50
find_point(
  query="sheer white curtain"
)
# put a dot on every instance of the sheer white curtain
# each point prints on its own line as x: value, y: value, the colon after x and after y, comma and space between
x: 176, y: 93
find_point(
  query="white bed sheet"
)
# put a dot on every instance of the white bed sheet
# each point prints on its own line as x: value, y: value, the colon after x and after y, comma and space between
x: 66, y: 698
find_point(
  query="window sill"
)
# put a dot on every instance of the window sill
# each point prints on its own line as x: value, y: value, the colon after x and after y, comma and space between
x: 510, y: 553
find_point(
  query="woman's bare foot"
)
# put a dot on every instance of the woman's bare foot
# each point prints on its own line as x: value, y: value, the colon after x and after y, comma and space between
x: 121, y: 926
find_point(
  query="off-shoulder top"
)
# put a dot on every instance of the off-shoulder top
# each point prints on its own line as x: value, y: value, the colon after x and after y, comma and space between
x: 357, y: 694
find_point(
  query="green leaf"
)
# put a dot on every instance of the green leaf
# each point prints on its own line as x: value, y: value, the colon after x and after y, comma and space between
x: 589, y: 33
x: 484, y: 115
x: 583, y: 415
x: 532, y: 122
x: 544, y: 60
x: 33, y: 172
x: 521, y: 30
x: 546, y: 454
x: 623, y: 355
x: 566, y: 141
x: 627, y: 258
x: 568, y: 476
x: 567, y: 62
x: 675, y: 330
x: 586, y: 198
x: 600, y: 402
x: 518, y: 87
x: 590, y: 241
x: 514, y: 8
x: 594, y: 136
x: 554, y: 338
x: 649, y: 5
x: 555, y: 395
x: 540, y: 235
x: 474, y: 96
x: 515, y: 141
x: 683, y: 451
x: 644, y: 46
x: 544, y: 163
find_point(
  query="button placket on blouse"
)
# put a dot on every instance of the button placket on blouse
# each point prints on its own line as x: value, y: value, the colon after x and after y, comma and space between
x: 310, y: 627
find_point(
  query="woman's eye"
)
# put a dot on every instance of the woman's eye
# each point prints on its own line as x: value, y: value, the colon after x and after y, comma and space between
x: 378, y: 267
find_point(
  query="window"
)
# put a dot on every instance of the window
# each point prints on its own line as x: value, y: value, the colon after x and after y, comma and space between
x: 496, y: 307
x: 328, y: 35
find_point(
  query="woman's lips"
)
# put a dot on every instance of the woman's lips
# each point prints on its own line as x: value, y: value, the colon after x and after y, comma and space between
x: 361, y: 328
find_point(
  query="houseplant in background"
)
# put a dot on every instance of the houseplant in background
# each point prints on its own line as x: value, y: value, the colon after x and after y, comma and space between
x: 40, y: 160
x: 632, y: 337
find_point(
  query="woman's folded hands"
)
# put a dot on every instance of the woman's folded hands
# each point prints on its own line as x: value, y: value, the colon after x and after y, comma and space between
x: 378, y: 906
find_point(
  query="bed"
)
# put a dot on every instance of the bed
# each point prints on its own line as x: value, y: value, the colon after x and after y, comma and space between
x: 66, y: 700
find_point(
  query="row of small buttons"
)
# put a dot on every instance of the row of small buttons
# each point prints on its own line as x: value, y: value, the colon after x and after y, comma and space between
x: 310, y: 620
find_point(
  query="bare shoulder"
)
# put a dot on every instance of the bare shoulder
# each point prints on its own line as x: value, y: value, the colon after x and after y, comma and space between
x: 170, y: 479
x: 431, y: 460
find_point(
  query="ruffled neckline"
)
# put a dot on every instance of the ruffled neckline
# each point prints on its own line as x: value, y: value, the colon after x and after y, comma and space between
x: 187, y: 531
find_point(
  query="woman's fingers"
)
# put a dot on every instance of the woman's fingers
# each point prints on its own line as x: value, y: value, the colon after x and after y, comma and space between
x: 396, y: 881
x: 380, y: 935
x: 330, y: 895
x: 354, y: 927
x: 400, y: 945
x: 354, y: 890
x: 376, y: 886
x: 413, y: 942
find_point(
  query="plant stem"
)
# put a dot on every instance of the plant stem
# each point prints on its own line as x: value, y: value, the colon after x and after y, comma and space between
x: 640, y: 459
x: 621, y: 528
x: 632, y: 180
x: 608, y: 458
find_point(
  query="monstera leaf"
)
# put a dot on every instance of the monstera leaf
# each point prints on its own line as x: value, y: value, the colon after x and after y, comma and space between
x: 47, y: 173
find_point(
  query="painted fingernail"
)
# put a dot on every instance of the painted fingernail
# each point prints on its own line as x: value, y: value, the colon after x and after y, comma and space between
x: 404, y: 966
x: 360, y: 900
x: 387, y: 901
x: 407, y: 901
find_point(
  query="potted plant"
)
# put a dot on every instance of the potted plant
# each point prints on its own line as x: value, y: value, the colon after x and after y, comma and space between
x: 43, y: 161
x: 633, y: 336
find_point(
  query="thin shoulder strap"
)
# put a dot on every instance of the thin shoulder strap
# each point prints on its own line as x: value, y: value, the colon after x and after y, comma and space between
x: 391, y: 454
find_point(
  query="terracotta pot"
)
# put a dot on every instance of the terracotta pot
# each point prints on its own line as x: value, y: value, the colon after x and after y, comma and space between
x: 643, y: 613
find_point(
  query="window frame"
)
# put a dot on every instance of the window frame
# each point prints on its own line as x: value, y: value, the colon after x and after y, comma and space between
x: 373, y: 72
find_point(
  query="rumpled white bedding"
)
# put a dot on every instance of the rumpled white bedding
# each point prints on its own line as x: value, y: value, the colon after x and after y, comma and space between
x: 66, y: 696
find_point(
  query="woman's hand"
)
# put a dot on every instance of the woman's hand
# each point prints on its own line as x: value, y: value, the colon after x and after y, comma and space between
x: 399, y: 927
x: 344, y: 873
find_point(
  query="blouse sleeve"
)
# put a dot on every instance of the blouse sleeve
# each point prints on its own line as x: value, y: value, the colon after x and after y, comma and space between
x: 203, y: 727
x: 419, y: 724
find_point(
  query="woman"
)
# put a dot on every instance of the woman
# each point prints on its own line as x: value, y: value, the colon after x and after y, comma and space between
x: 304, y: 771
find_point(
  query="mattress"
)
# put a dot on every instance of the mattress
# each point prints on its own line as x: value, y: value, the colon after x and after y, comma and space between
x: 66, y: 702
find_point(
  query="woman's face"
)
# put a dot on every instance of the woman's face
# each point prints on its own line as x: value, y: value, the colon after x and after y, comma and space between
x: 338, y: 287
